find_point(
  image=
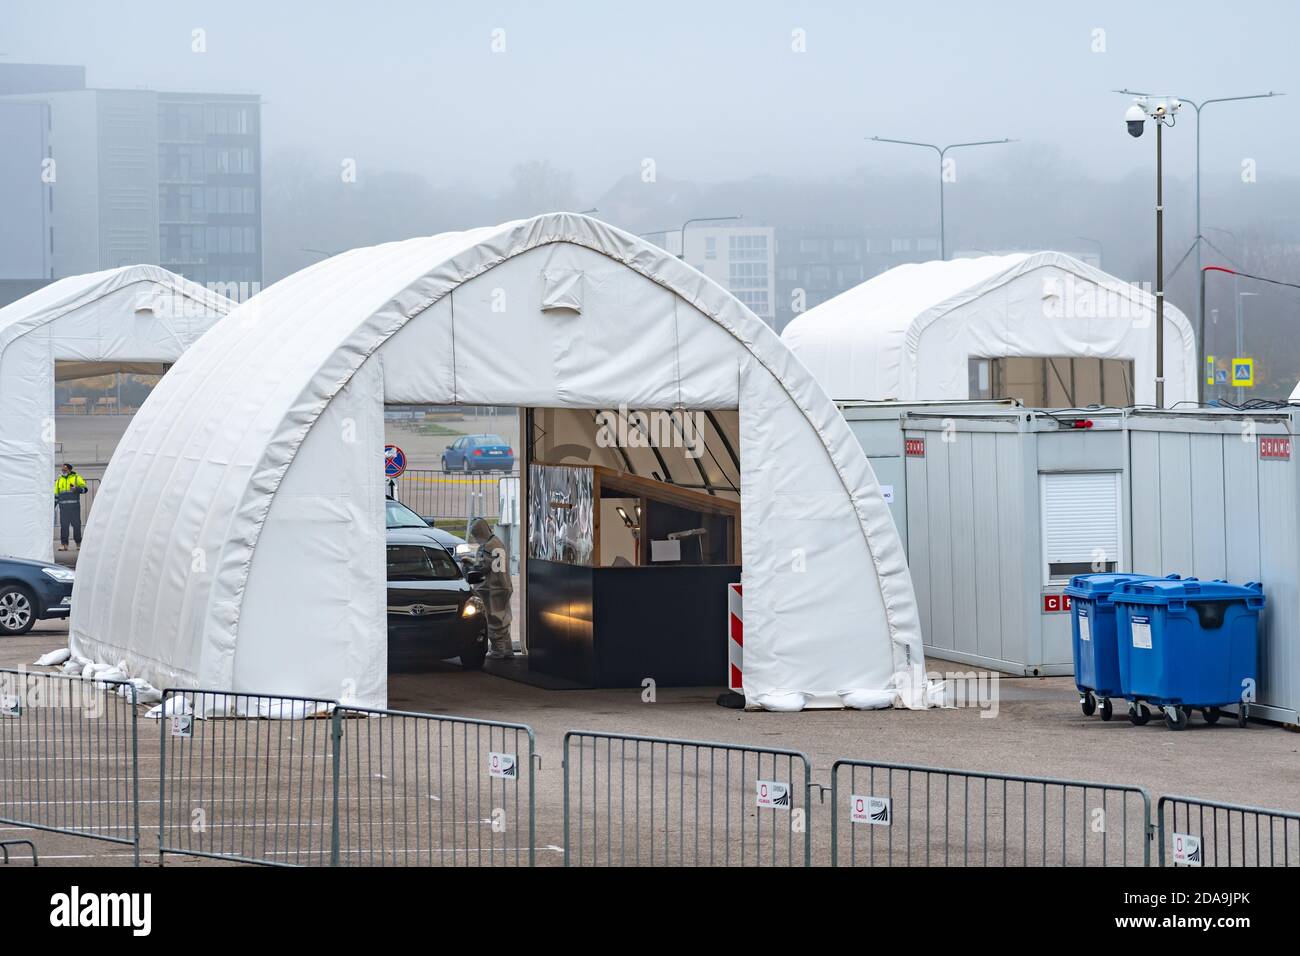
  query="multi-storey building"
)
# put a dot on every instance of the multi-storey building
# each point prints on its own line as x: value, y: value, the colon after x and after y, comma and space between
x: 102, y: 178
x: 739, y: 258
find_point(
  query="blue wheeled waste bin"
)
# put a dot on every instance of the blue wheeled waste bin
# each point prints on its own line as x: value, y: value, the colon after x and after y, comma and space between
x: 1189, y: 645
x: 1096, y: 657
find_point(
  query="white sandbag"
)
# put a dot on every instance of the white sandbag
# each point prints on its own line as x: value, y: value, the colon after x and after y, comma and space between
x: 861, y: 699
x: 782, y: 701
x: 145, y: 693
x: 73, y: 667
x: 54, y: 658
x: 277, y: 709
x: 173, y: 707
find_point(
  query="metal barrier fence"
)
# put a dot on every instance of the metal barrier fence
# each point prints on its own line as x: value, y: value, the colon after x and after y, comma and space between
x: 654, y: 801
x: 1259, y: 838
x: 452, y: 495
x: 901, y: 815
x: 284, y: 780
x: 251, y: 782
x: 69, y: 756
x: 425, y: 790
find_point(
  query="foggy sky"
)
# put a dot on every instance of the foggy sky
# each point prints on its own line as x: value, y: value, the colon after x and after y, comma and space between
x: 709, y: 91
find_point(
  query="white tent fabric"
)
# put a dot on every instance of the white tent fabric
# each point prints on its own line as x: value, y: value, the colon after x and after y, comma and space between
x: 238, y: 537
x: 909, y: 333
x: 101, y: 321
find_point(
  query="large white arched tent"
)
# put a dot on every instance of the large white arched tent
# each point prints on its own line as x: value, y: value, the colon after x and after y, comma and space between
x: 238, y: 539
x: 909, y: 333
x: 133, y: 318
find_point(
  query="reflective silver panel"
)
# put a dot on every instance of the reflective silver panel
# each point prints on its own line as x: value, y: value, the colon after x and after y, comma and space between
x: 561, y: 514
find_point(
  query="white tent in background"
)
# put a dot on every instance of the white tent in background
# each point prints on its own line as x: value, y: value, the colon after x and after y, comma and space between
x: 909, y: 333
x: 133, y: 318
x: 238, y: 538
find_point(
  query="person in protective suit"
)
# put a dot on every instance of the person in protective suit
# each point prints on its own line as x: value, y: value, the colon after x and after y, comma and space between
x: 68, y: 489
x: 493, y: 560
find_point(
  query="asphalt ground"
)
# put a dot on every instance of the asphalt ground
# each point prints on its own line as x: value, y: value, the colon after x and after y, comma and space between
x: 416, y: 790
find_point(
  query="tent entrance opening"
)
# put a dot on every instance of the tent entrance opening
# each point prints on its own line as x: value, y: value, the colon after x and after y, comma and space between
x: 632, y: 523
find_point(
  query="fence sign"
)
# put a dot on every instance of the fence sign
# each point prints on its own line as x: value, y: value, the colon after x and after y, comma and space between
x: 877, y: 811
x: 503, y: 766
x: 773, y: 794
x: 1187, y: 849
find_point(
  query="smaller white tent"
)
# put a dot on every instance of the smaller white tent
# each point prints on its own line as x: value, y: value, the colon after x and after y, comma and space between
x: 909, y: 333
x: 133, y: 318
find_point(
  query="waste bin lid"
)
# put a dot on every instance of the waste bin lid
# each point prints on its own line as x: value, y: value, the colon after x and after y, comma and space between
x: 1165, y: 591
x: 1095, y: 587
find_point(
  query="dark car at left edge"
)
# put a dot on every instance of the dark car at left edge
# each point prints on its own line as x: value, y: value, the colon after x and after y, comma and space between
x: 31, y: 591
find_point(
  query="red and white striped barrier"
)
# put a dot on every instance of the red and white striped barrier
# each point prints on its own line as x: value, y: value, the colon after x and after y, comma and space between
x: 735, y: 638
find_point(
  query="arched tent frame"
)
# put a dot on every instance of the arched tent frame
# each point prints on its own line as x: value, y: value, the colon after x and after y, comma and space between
x: 238, y: 537
x: 906, y: 334
x: 133, y: 318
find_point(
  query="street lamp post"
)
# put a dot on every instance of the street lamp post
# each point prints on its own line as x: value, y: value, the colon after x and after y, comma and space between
x: 1200, y: 318
x: 942, y: 151
x: 682, y: 254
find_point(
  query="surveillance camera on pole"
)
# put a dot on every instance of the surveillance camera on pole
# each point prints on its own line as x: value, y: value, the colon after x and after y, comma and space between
x: 1136, y: 119
x: 1161, y: 110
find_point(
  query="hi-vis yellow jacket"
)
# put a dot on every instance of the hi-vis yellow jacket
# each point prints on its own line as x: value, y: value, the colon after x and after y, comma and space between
x: 68, y: 487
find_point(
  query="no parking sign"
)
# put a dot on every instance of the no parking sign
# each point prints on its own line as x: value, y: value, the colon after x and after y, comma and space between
x: 394, y: 461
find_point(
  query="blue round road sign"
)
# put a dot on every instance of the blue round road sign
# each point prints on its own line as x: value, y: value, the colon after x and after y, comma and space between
x: 394, y: 461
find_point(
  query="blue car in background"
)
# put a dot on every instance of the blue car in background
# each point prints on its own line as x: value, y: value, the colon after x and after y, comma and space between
x: 479, y: 453
x: 31, y: 591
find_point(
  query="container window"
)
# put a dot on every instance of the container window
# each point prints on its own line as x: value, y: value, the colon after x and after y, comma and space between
x: 1052, y: 381
x: 1081, y: 524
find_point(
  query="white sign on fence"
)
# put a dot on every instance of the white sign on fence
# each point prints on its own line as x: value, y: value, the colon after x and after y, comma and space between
x: 183, y: 725
x: 1187, y: 849
x: 877, y: 811
x: 11, y: 705
x: 503, y: 766
x: 773, y: 794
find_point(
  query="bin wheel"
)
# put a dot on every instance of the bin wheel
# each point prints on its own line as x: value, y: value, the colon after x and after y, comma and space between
x: 1138, y: 714
x: 1088, y: 703
x: 1211, y: 715
x: 1243, y: 714
x: 1107, y: 711
x: 1176, y: 717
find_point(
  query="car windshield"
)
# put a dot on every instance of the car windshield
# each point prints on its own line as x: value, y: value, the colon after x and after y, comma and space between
x: 397, y: 515
x: 414, y: 562
x: 489, y: 440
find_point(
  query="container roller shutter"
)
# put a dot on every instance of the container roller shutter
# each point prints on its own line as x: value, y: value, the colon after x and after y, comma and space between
x: 1081, y: 523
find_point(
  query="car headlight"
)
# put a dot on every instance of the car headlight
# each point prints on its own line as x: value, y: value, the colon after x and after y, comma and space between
x: 472, y: 608
x: 62, y: 575
x: 463, y: 548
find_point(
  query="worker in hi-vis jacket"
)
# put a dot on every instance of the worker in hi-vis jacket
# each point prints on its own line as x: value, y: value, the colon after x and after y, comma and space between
x: 68, y: 489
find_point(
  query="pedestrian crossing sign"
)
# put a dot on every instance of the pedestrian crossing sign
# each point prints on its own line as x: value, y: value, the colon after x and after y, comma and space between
x: 1221, y: 377
x: 1243, y: 373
